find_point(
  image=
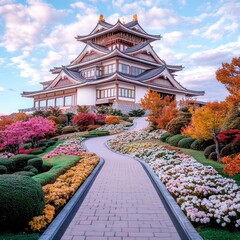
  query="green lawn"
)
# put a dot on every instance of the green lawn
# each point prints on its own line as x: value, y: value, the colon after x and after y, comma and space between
x: 33, y: 236
x: 59, y: 165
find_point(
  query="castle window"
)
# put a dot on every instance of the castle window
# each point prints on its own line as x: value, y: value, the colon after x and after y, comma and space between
x: 136, y: 71
x: 105, y: 93
x: 126, y: 93
x: 59, y: 102
x: 51, y: 102
x: 43, y: 103
x: 123, y: 68
x: 110, y: 69
x: 68, y: 101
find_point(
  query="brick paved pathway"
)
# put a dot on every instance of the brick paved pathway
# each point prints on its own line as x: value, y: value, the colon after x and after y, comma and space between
x: 122, y: 203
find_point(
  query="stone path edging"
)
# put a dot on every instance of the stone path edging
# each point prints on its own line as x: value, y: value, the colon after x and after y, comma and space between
x: 61, y: 222
x: 183, y: 225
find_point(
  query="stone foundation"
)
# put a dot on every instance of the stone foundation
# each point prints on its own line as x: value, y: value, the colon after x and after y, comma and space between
x: 126, y: 107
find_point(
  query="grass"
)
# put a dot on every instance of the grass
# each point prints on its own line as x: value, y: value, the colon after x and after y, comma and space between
x: 49, y: 149
x: 33, y: 236
x: 59, y: 165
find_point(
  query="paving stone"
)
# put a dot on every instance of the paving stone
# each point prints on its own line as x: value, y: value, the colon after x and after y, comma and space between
x: 122, y: 202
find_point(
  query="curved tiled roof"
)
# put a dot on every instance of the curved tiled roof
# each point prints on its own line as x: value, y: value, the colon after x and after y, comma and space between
x: 136, y: 47
x: 148, y: 74
x: 119, y: 26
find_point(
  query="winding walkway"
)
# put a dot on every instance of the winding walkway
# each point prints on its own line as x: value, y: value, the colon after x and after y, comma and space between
x: 122, y: 203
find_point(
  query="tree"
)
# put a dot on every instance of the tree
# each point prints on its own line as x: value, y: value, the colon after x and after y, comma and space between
x: 229, y: 75
x: 29, y: 131
x: 152, y: 101
x: 4, y: 121
x: 207, y: 122
x: 54, y: 111
x: 20, y: 117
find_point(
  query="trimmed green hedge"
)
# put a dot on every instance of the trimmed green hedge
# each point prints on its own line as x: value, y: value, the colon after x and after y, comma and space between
x: 164, y: 136
x: 209, y: 150
x: 24, y: 173
x: 173, y: 141
x: 8, y: 163
x: 21, y: 199
x: 36, y: 162
x: 21, y: 160
x: 3, y: 169
x: 185, y: 142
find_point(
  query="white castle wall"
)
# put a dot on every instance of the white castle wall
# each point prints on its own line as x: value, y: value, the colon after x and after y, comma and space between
x: 86, y: 96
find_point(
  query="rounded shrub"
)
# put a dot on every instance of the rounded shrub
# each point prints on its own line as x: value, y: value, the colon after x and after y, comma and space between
x: 68, y: 129
x: 20, y: 160
x: 176, y: 124
x: 213, y: 156
x: 201, y: 145
x: 34, y: 170
x: 164, y: 136
x: 24, y: 173
x: 112, y: 120
x: 21, y: 199
x: 137, y: 113
x: 8, y: 163
x: 173, y: 141
x: 3, y: 169
x: 185, y: 142
x: 36, y: 162
x: 209, y: 150
x: 227, y: 150
x: 28, y: 167
x: 38, y: 151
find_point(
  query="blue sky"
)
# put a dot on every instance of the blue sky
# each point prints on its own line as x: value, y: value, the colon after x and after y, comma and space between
x: 37, y: 35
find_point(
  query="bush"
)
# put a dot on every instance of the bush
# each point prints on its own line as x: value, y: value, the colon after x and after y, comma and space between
x: 236, y: 145
x: 28, y: 168
x: 3, y: 169
x: 112, y: 120
x: 164, y: 136
x: 213, y: 156
x: 209, y: 150
x: 20, y: 160
x: 173, y: 141
x: 227, y: 150
x: 235, y: 124
x: 201, y: 145
x: 34, y: 170
x: 21, y: 199
x: 37, y: 151
x: 68, y: 129
x: 136, y: 113
x: 8, y: 163
x: 83, y: 120
x: 185, y: 142
x: 176, y: 124
x: 100, y: 119
x: 116, y: 112
x: 24, y: 173
x: 36, y: 162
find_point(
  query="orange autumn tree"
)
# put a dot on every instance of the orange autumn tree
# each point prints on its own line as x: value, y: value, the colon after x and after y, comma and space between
x: 229, y: 75
x: 162, y: 110
x: 232, y: 165
x: 20, y: 117
x: 207, y: 122
x: 4, y: 121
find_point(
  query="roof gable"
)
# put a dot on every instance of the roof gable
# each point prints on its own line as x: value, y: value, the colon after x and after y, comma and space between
x: 91, y: 51
x: 63, y: 79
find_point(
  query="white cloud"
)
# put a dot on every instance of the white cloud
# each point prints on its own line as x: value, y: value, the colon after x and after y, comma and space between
x: 1, y: 61
x: 194, y: 46
x: 172, y: 38
x: 3, y: 2
x: 215, y: 56
x: 26, y: 25
x: 117, y: 3
x: 2, y: 89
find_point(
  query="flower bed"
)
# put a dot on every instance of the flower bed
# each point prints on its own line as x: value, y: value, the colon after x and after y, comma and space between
x: 58, y: 193
x: 113, y: 128
x: 206, y: 197
x: 69, y: 147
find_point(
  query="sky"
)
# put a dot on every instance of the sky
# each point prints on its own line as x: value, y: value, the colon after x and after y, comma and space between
x: 37, y: 35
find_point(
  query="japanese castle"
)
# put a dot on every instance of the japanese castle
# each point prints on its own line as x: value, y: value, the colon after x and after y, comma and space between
x: 117, y: 67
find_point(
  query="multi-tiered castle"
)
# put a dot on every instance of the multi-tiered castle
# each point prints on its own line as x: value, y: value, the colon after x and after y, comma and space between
x: 117, y: 67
